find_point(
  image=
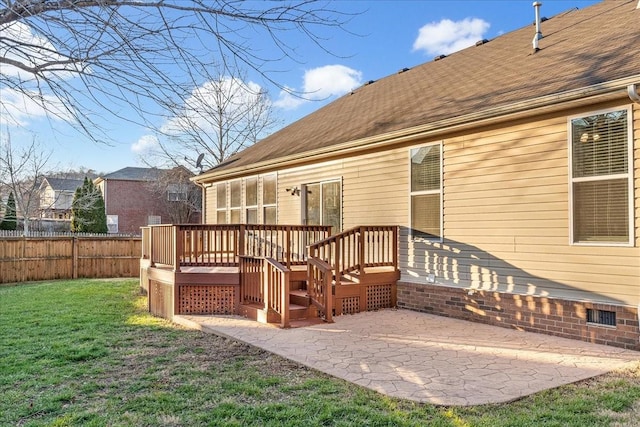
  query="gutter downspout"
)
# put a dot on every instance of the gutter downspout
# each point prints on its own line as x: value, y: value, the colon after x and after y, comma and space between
x: 632, y: 91
x: 203, y: 198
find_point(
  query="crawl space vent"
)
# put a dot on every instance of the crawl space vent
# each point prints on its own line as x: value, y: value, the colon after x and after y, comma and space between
x: 601, y: 317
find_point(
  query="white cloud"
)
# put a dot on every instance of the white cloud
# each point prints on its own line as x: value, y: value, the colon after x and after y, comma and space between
x: 447, y: 36
x: 145, y: 144
x: 22, y: 44
x: 17, y: 108
x: 287, y: 101
x: 234, y: 96
x: 321, y: 83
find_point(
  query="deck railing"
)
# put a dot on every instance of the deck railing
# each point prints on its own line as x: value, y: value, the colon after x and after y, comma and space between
x: 358, y: 248
x: 265, y: 282
x: 319, y: 286
x: 222, y: 244
x: 276, y: 289
x: 162, y: 246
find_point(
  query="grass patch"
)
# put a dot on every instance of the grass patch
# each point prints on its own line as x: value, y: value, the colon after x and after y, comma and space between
x: 86, y: 353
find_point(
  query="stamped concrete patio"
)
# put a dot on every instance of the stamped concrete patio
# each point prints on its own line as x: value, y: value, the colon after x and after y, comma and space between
x: 427, y: 358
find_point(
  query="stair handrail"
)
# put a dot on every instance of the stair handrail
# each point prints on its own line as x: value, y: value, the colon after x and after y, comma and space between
x: 276, y: 281
x: 265, y: 281
x: 319, y: 286
x: 359, y: 247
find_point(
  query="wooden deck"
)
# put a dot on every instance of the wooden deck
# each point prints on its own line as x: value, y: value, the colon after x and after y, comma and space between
x: 271, y: 273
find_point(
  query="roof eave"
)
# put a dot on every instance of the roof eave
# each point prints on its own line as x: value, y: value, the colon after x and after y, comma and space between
x: 548, y: 103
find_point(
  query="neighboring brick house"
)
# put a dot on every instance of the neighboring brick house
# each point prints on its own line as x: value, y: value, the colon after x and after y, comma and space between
x: 135, y: 197
x: 56, y: 196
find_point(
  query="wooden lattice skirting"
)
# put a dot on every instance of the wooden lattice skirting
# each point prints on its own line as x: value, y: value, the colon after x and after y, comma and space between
x: 206, y: 299
x: 350, y: 305
x: 378, y: 296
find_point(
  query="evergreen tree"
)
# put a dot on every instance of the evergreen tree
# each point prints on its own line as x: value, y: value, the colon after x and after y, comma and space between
x: 77, y: 209
x: 10, y: 220
x: 87, y: 209
x: 99, y: 224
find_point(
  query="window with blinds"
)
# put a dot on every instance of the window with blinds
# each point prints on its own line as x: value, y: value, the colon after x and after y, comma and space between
x: 426, y: 192
x: 235, y: 202
x: 247, y: 195
x: 251, y: 200
x: 601, y: 178
x: 221, y: 203
x: 269, y: 198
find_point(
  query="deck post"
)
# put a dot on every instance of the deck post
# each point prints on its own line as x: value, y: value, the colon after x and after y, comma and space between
x: 328, y: 298
x: 284, y: 302
x: 395, y: 247
x: 361, y: 253
x: 177, y: 245
x: 287, y: 247
x: 151, y: 253
x: 338, y: 257
x: 266, y: 295
x: 240, y: 249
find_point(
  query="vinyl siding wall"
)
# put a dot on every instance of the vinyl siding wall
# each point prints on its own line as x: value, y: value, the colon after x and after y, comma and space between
x: 506, y: 213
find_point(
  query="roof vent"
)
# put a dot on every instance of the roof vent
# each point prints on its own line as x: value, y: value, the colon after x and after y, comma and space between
x: 439, y: 57
x: 481, y: 42
x: 370, y: 82
x: 538, y: 36
x: 404, y: 70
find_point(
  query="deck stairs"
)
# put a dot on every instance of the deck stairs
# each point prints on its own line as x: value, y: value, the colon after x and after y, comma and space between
x: 301, y: 310
x: 269, y: 273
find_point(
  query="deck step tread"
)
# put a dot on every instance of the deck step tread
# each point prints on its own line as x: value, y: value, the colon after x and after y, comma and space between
x: 293, y: 307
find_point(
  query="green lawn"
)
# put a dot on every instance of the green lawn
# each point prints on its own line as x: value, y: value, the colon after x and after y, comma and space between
x: 86, y: 352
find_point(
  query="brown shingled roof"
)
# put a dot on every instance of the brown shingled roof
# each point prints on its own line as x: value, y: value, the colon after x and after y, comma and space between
x: 580, y: 48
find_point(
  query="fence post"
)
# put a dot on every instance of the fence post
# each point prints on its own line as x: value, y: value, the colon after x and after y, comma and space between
x: 74, y: 261
x: 22, y: 259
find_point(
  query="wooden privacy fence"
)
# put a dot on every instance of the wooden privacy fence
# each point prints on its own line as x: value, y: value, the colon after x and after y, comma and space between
x: 25, y: 259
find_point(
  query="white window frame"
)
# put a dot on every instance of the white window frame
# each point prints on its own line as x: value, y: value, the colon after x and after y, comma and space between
x: 261, y: 203
x: 239, y: 208
x: 177, y: 193
x: 112, y: 224
x: 246, y: 207
x: 243, y: 201
x: 628, y: 176
x: 226, y: 205
x: 440, y: 191
x: 303, y: 200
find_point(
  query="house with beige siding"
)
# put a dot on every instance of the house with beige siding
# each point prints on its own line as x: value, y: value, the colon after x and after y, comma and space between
x: 510, y: 169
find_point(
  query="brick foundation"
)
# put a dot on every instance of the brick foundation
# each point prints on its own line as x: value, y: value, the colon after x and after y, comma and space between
x: 563, y: 318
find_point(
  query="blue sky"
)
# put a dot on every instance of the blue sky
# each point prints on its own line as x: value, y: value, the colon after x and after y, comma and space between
x: 387, y: 36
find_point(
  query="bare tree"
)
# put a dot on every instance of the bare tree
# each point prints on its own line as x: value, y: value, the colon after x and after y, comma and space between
x: 220, y: 118
x: 78, y: 59
x: 182, y: 198
x: 21, y: 170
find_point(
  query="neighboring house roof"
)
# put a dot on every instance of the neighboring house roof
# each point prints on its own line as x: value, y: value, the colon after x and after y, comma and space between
x: 579, y: 49
x: 134, y: 174
x: 141, y: 174
x: 62, y: 184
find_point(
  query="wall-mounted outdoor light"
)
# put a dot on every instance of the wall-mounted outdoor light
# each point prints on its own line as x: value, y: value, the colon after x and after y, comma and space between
x: 295, y: 191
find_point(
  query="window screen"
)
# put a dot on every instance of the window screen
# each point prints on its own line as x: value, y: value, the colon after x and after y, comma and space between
x: 426, y: 192
x: 600, y: 177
